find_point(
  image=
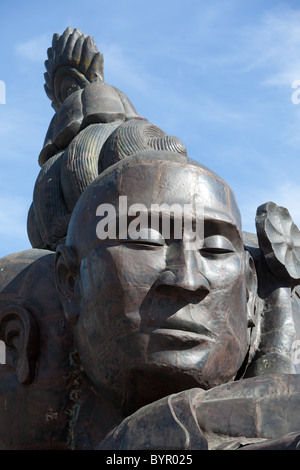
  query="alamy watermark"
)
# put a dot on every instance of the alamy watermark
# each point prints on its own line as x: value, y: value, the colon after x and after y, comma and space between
x: 296, y: 94
x: 161, y: 222
x: 2, y: 92
x: 296, y: 352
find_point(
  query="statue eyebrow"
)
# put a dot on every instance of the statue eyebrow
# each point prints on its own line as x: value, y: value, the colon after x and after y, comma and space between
x: 216, y: 224
x: 226, y: 228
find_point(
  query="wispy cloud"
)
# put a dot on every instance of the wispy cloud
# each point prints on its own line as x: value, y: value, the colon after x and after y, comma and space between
x: 34, y: 49
x: 274, y: 44
x: 13, y: 215
x: 286, y: 195
x: 121, y: 70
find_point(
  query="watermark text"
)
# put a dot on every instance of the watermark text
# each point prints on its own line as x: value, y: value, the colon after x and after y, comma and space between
x: 2, y: 92
x: 296, y: 352
x: 160, y: 222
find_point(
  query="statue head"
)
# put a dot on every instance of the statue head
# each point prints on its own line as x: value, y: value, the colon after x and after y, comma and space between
x: 151, y: 312
x: 36, y: 379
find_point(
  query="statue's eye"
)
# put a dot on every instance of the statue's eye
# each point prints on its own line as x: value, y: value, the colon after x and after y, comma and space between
x: 216, y: 245
x: 144, y: 237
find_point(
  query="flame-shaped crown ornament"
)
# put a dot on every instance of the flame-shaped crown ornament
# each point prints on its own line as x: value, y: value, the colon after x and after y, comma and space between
x: 73, y: 62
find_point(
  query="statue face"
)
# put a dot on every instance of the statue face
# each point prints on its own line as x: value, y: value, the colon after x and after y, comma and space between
x: 157, y: 317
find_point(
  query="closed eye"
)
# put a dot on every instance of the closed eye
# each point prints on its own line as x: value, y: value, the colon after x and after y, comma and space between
x: 142, y: 243
x: 217, y: 245
x: 144, y: 238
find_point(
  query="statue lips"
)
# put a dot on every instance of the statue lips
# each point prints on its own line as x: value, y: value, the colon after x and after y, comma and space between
x: 186, y: 331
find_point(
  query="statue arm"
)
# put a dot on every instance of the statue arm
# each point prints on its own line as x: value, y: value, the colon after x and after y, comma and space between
x: 259, y: 411
x: 258, y: 408
x: 167, y: 424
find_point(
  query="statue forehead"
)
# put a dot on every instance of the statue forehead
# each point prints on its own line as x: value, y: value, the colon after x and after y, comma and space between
x: 145, y: 180
x: 167, y: 182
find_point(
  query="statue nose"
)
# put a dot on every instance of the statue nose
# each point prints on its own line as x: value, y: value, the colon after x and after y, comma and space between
x: 184, y: 273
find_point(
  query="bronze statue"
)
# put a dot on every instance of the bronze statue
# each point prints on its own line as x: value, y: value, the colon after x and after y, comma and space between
x: 159, y: 323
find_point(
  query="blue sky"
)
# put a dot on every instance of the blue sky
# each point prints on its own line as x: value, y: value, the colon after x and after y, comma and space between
x: 216, y: 74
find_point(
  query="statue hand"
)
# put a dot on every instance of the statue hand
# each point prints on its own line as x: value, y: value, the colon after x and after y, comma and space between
x: 258, y: 408
x: 167, y: 424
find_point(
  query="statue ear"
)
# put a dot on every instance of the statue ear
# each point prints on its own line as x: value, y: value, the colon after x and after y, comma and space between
x: 251, y: 288
x: 65, y: 280
x: 19, y: 332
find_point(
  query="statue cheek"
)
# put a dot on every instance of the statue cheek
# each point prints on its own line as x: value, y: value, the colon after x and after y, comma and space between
x: 137, y: 268
x: 224, y: 272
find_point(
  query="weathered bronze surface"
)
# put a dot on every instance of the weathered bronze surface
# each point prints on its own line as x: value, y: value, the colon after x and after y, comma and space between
x: 122, y: 333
